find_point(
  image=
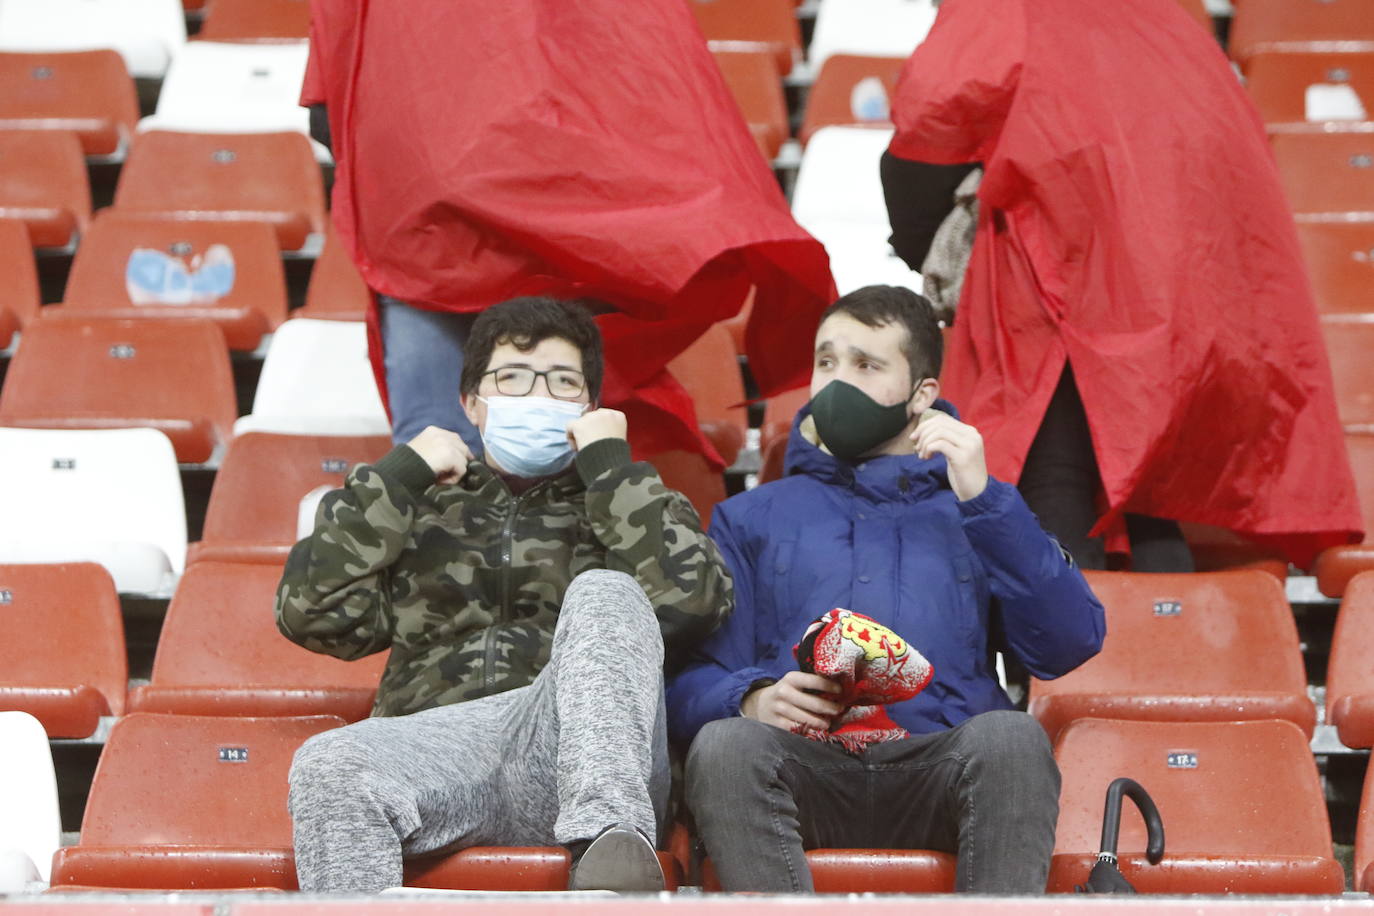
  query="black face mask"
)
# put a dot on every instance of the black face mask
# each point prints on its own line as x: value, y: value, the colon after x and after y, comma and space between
x: 850, y: 423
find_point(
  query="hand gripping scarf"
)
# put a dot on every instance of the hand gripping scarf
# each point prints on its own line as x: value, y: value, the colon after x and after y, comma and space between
x: 873, y: 666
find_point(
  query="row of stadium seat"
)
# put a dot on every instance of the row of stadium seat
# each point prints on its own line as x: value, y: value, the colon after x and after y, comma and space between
x: 1218, y: 646
x: 199, y: 802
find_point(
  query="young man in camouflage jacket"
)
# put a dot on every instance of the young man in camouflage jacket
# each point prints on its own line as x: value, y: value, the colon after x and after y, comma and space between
x: 527, y: 601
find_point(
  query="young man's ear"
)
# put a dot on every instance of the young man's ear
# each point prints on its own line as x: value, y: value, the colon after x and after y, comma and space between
x: 470, y: 407
x: 924, y: 396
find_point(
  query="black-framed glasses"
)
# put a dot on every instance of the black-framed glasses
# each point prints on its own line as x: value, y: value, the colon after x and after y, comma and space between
x: 518, y: 381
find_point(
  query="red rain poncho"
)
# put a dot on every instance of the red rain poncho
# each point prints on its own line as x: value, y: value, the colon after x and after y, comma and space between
x: 1131, y: 222
x: 487, y: 150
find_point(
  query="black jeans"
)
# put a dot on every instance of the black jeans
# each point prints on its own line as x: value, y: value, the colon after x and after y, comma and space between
x: 987, y: 790
x: 1060, y: 483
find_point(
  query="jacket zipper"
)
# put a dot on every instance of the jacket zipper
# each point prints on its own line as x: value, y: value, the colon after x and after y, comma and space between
x: 507, y: 552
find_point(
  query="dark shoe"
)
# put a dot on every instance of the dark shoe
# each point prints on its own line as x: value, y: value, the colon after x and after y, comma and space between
x: 620, y: 859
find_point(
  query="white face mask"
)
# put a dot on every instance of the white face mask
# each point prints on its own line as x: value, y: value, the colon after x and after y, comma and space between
x: 529, y: 436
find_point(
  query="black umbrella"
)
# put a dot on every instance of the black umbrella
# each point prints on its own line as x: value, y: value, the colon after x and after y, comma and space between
x: 1106, y: 878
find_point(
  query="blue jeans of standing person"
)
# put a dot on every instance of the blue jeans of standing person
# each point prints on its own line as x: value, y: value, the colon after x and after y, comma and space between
x: 424, y: 365
x: 987, y: 789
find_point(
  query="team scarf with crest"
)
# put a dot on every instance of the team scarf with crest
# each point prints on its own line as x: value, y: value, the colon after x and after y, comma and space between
x: 873, y: 666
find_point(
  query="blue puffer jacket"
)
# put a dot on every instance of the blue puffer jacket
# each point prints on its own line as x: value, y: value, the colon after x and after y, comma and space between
x: 888, y: 538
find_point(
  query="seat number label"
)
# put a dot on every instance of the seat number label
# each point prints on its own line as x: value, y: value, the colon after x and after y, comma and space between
x: 334, y: 466
x: 233, y: 755
x: 1168, y: 608
x: 1182, y: 760
x: 6, y: 596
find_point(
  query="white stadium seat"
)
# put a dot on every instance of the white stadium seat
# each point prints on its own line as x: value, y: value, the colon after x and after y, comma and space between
x: 874, y: 28
x: 317, y: 380
x: 147, y: 33
x: 112, y: 497
x: 31, y: 827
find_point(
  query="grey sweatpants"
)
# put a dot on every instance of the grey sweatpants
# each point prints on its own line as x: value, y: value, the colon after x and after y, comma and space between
x: 582, y: 747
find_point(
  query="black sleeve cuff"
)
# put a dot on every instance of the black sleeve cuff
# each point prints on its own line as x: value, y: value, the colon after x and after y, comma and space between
x: 407, y: 468
x: 601, y: 456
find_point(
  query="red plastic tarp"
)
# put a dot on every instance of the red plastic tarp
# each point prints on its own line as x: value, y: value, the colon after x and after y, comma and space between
x: 486, y: 150
x: 1132, y: 223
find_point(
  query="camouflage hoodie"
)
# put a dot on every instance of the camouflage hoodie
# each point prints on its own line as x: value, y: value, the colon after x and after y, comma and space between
x: 463, y: 583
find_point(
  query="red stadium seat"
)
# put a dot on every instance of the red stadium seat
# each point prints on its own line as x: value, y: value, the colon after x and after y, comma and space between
x: 709, y: 370
x: 256, y: 20
x: 778, y: 413
x: 1278, y: 84
x: 1336, y: 565
x: 690, y: 475
x: 1348, y: 346
x: 337, y: 291
x: 1340, y: 261
x: 260, y: 485
x: 509, y: 868
x: 1350, y: 675
x: 190, y: 803
x: 1329, y: 177
x: 271, y: 178
x: 869, y: 871
x: 105, y: 373
x: 753, y: 80
x: 1191, y: 647
x: 88, y: 92
x: 19, y: 297
x: 752, y: 25
x: 1363, y: 874
x: 220, y: 655
x: 833, y: 102
x: 1300, y: 25
x: 101, y: 282
x: 43, y: 183
x: 1241, y: 802
x: 61, y: 646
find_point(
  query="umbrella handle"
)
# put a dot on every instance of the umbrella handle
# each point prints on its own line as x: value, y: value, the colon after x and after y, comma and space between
x: 1111, y: 819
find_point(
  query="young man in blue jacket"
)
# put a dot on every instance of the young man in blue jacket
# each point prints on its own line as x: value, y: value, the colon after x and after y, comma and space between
x: 886, y: 509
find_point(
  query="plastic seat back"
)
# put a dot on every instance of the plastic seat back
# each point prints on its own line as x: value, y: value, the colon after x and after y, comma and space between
x: 263, y: 177
x: 19, y: 297
x: 838, y: 180
x: 709, y: 370
x: 752, y: 25
x: 172, y: 376
x: 61, y: 646
x: 753, y: 80
x: 228, y: 273
x: 1282, y: 86
x: 1348, y: 346
x: 182, y: 802
x: 220, y: 654
x: 1340, y: 261
x: 257, y: 20
x: 1363, y: 874
x: 148, y: 34
x: 1300, y: 25
x: 852, y: 90
x: 111, y: 497
x: 1327, y: 176
x: 219, y: 87
x: 262, y: 486
x: 1336, y: 565
x: 1241, y: 803
x: 32, y: 825
x: 89, y: 92
x: 43, y: 183
x: 1185, y: 647
x: 317, y: 380
x: 875, y: 28
x: 1350, y: 671
x: 337, y: 291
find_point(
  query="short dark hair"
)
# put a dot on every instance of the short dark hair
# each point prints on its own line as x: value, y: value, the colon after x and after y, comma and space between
x: 875, y: 306
x: 526, y: 322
